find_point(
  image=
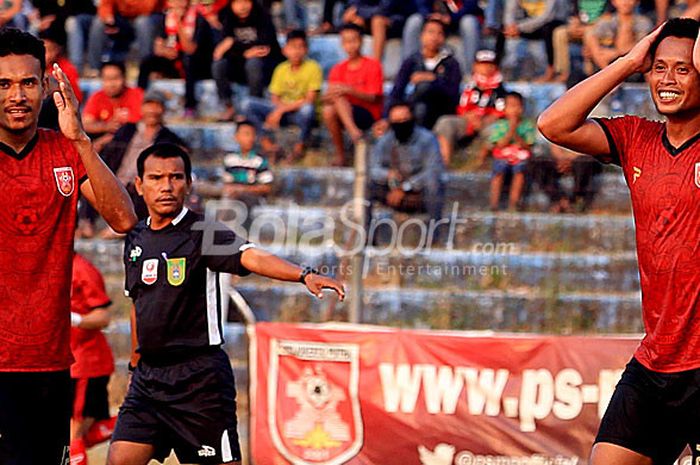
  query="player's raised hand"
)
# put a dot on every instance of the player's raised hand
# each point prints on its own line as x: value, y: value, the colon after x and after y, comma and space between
x: 696, y: 53
x: 639, y: 55
x: 67, y: 105
x: 315, y: 283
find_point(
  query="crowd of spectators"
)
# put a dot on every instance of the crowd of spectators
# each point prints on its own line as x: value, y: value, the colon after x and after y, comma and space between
x: 453, y: 93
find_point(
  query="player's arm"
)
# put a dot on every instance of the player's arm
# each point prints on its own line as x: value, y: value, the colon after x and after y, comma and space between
x: 566, y: 121
x: 271, y: 266
x: 134, y: 359
x: 97, y: 319
x: 102, y: 189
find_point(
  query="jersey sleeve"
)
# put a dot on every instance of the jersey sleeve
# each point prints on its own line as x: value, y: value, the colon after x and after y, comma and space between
x: 224, y: 255
x: 621, y: 133
x: 94, y: 290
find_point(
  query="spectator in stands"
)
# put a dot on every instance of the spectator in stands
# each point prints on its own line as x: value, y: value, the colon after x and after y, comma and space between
x: 460, y: 17
x: 382, y: 18
x: 511, y: 139
x: 54, y: 41
x: 91, y: 422
x: 406, y: 166
x: 434, y: 74
x: 117, y: 24
x: 547, y: 171
x: 585, y: 13
x: 614, y: 36
x: 131, y: 139
x: 111, y: 107
x: 536, y: 20
x: 481, y: 103
x: 294, y: 91
x: 331, y: 15
x: 10, y: 14
x: 183, y: 48
x: 247, y: 175
x: 355, y: 93
x: 79, y: 15
x: 247, y: 54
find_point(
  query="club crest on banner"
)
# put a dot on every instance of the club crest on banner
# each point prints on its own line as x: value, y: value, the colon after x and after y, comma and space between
x: 65, y: 181
x: 313, y: 405
x: 697, y: 174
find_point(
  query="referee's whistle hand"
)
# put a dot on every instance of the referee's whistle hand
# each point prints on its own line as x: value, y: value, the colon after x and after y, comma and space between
x: 316, y: 283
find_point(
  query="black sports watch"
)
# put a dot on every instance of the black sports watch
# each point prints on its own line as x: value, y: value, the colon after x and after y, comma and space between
x: 305, y: 272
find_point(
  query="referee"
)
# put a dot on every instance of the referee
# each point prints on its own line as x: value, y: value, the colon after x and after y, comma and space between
x: 182, y: 394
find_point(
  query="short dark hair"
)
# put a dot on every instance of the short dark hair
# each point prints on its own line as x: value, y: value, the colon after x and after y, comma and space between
x: 165, y: 150
x: 517, y: 95
x: 244, y: 122
x: 15, y: 42
x: 351, y: 27
x: 434, y: 21
x: 684, y: 28
x: 399, y: 103
x: 297, y: 34
x: 116, y: 64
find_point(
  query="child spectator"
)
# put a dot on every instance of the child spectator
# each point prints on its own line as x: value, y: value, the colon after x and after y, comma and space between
x: 122, y: 21
x: 614, y: 36
x: 294, y: 91
x: 511, y: 141
x: 434, y: 74
x: 247, y: 176
x: 111, y: 107
x: 481, y: 103
x: 382, y: 18
x: 355, y: 92
x: 460, y: 17
x: 536, y: 20
x: 247, y: 54
x: 183, y: 48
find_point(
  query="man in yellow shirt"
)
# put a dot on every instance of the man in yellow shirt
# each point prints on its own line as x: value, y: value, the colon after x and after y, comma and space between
x: 294, y: 91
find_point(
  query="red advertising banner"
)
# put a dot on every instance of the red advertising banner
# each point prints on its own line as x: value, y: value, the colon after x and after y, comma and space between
x: 335, y: 394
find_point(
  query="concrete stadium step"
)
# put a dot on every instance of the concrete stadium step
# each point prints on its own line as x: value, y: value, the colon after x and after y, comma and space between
x: 453, y: 270
x: 473, y: 310
x: 472, y: 231
x: 332, y: 187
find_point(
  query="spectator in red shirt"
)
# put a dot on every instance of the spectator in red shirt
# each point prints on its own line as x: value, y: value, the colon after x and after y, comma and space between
x: 112, y: 107
x: 123, y: 21
x: 355, y: 93
x: 54, y: 41
x: 94, y: 363
x: 481, y: 104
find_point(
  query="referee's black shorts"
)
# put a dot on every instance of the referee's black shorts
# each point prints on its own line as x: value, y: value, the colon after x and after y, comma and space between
x: 35, y: 410
x: 654, y: 414
x: 187, y: 405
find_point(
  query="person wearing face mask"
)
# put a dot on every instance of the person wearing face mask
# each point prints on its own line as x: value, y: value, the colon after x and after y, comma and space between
x: 406, y: 166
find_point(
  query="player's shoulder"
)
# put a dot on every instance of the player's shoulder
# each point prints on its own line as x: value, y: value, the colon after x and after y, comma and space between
x: 53, y: 138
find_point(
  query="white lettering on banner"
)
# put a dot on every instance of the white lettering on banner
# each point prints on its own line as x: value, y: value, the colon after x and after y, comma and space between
x: 542, y: 393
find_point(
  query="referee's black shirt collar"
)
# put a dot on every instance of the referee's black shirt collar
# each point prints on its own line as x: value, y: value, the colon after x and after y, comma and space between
x: 175, y: 220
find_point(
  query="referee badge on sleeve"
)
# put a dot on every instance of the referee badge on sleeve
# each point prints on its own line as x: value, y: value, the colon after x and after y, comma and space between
x: 149, y: 271
x: 176, y: 271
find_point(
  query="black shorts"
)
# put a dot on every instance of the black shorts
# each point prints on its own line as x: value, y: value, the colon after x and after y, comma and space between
x: 362, y: 117
x: 654, y: 414
x: 90, y: 398
x: 188, y: 406
x: 35, y: 413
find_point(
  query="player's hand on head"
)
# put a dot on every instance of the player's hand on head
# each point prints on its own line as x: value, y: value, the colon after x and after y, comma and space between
x: 315, y: 283
x: 68, y: 108
x: 639, y: 55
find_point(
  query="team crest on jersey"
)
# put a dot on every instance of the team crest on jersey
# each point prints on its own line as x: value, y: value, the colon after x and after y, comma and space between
x: 65, y: 181
x: 697, y: 174
x: 149, y: 271
x: 176, y: 271
x: 314, y: 409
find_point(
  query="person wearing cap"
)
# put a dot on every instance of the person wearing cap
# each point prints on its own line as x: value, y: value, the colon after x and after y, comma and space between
x: 121, y: 153
x: 481, y: 103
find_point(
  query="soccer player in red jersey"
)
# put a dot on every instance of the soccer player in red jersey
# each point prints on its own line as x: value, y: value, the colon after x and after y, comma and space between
x: 41, y: 174
x: 655, y: 410
x: 94, y: 363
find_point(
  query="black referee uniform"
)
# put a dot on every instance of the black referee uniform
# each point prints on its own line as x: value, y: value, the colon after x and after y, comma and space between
x: 182, y: 394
